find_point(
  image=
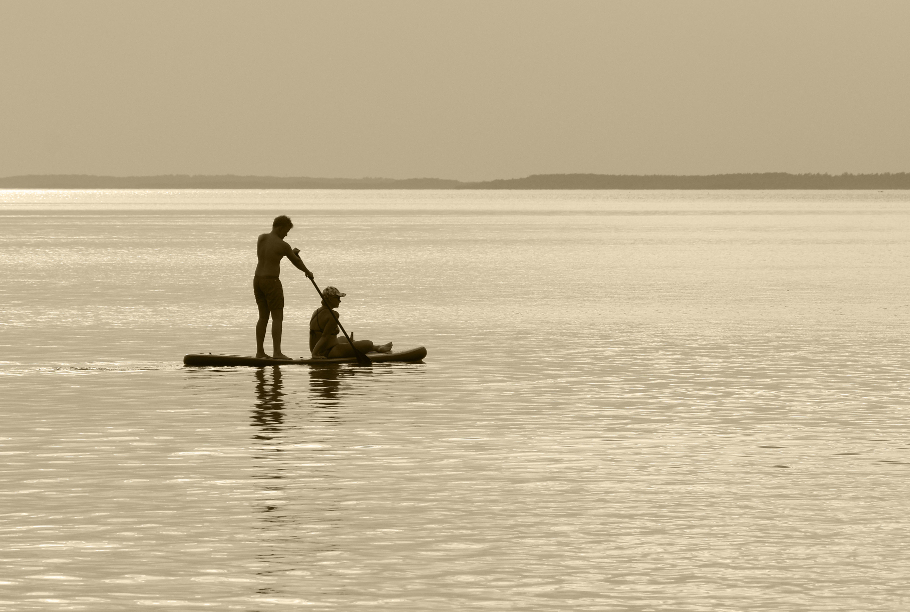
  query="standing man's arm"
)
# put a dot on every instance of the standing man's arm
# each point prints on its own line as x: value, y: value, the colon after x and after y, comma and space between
x: 294, y: 257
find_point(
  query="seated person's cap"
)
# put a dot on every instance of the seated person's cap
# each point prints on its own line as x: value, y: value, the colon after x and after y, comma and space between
x: 333, y: 291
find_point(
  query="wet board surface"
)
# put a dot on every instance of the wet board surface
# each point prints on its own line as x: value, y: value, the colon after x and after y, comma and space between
x: 213, y: 359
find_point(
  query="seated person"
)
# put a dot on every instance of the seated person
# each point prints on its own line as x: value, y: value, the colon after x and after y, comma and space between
x: 324, y: 340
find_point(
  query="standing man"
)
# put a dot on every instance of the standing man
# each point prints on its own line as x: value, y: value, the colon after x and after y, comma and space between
x: 270, y: 248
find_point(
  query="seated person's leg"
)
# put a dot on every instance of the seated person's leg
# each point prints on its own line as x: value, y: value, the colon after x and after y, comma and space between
x: 343, y: 349
x: 364, y: 346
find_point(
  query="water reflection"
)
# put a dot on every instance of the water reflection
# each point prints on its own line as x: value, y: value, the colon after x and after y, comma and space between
x: 326, y: 388
x: 268, y: 414
x: 268, y: 419
x: 293, y: 449
x: 307, y: 451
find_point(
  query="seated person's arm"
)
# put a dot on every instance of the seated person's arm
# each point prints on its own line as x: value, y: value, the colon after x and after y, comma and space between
x: 321, y: 349
x: 325, y: 344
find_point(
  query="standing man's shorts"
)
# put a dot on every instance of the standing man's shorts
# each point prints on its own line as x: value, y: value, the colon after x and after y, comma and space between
x: 268, y: 292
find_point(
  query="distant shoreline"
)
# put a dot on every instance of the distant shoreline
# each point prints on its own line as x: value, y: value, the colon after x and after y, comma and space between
x: 767, y: 180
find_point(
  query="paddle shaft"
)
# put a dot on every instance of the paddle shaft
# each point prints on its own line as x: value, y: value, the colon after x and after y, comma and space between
x: 361, y: 358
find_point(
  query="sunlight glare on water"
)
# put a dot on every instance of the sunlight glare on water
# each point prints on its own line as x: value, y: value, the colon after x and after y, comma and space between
x: 632, y: 401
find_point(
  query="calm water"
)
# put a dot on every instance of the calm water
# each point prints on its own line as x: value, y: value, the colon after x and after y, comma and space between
x: 632, y: 401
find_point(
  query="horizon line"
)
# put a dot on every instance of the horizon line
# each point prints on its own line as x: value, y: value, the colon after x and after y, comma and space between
x: 590, y: 181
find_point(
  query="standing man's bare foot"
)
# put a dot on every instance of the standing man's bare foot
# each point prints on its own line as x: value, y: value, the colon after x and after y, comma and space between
x: 385, y: 348
x: 262, y: 355
x: 279, y: 355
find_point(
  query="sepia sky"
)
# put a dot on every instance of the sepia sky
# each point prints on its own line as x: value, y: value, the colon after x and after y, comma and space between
x: 463, y: 89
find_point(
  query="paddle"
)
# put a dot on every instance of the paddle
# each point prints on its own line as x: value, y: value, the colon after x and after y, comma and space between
x: 361, y: 358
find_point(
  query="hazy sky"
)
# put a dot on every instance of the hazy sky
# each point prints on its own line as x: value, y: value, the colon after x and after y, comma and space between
x: 453, y: 88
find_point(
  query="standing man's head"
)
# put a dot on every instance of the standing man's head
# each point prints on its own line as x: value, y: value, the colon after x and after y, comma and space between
x: 282, y: 225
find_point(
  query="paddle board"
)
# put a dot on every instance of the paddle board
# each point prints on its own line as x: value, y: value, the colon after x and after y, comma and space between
x: 210, y: 359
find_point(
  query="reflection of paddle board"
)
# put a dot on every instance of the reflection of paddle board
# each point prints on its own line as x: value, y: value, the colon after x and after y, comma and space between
x: 208, y: 359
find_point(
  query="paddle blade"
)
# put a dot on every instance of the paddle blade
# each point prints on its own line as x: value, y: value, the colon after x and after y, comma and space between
x: 362, y: 360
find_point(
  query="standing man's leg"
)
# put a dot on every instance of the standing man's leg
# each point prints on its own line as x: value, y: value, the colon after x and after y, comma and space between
x: 261, y: 324
x: 277, y: 322
x: 270, y: 300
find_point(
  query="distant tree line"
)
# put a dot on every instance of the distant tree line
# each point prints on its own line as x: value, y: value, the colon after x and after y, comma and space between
x: 766, y: 180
